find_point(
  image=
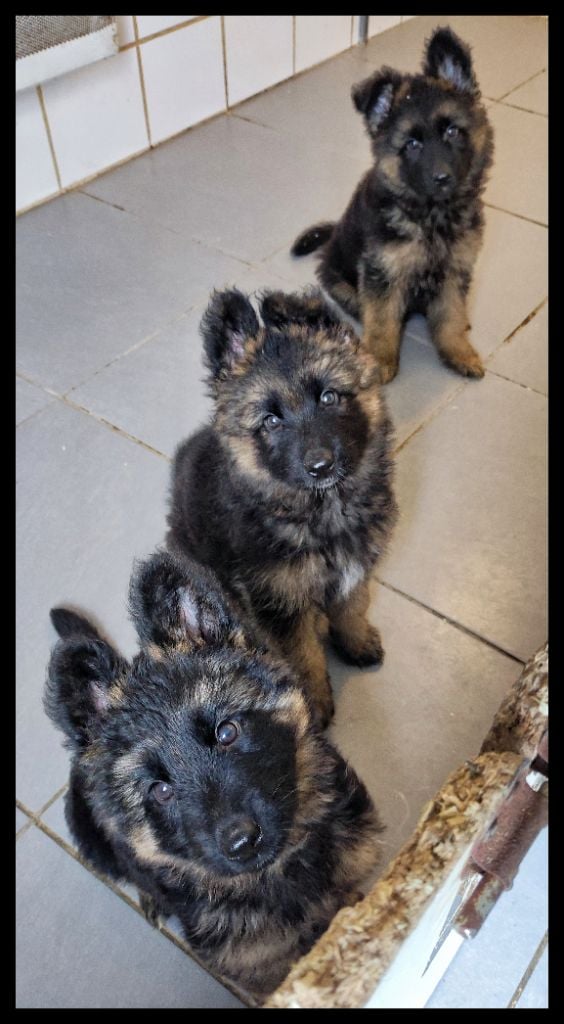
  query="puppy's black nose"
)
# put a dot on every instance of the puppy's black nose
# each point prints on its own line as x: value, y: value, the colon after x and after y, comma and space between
x: 240, y: 839
x: 441, y: 178
x: 319, y: 462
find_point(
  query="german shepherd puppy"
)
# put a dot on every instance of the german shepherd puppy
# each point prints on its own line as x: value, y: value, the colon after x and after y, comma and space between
x: 198, y: 775
x: 408, y: 240
x: 287, y: 494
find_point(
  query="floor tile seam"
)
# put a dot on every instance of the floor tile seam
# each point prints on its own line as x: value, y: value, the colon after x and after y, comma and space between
x: 37, y: 384
x: 440, y: 407
x: 114, y: 428
x: 528, y: 973
x: 44, y: 807
x: 32, y: 415
x: 132, y: 348
x: 121, y: 355
x: 27, y: 824
x: 518, y: 383
x: 126, y: 898
x: 99, y: 199
x: 452, y: 622
x: 521, y: 84
x: 518, y: 216
x: 524, y: 110
x: 177, y: 232
x: 526, y: 320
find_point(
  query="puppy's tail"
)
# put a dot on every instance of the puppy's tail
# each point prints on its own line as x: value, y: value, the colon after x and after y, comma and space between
x: 312, y: 239
x: 68, y: 623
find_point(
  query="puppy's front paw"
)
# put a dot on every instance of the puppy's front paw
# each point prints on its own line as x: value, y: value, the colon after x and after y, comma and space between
x: 150, y: 909
x: 466, y: 362
x: 386, y: 371
x: 362, y: 650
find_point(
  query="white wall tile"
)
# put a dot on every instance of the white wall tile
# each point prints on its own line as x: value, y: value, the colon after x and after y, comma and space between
x: 319, y: 36
x: 35, y: 172
x: 149, y: 23
x: 96, y: 116
x: 407, y: 17
x: 183, y: 75
x: 259, y: 52
x: 381, y: 22
x: 126, y: 33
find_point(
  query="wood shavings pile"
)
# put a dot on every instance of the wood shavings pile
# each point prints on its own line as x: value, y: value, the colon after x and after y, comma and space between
x: 344, y: 966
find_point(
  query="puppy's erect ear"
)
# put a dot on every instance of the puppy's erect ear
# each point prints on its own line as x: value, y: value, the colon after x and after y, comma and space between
x: 175, y: 602
x: 447, y: 57
x: 309, y: 308
x: 228, y: 321
x: 374, y: 97
x: 82, y: 669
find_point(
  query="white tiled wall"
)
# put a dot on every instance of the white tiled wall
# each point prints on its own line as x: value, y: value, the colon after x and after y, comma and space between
x: 319, y: 36
x: 147, y: 24
x: 183, y: 75
x: 172, y: 71
x: 36, y: 178
x: 259, y: 53
x: 381, y: 22
x: 96, y: 116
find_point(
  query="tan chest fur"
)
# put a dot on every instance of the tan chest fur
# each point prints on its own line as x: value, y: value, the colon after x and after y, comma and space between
x: 304, y: 580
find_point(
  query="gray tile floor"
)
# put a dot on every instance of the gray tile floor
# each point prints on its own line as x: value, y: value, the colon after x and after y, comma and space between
x: 111, y: 282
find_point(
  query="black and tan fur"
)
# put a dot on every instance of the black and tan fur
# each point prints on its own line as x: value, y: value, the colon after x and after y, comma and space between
x: 295, y: 543
x: 259, y: 841
x: 408, y: 240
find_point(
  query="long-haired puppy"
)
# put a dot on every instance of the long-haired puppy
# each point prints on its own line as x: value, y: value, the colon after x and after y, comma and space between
x: 287, y: 494
x: 199, y: 775
x: 409, y: 238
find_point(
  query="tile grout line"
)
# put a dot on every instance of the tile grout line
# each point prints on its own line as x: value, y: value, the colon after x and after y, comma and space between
x: 115, y: 888
x: 142, y: 81
x: 141, y: 40
x: 98, y: 199
x: 514, y: 106
x: 112, y: 426
x: 527, y: 975
x: 224, y: 59
x: 293, y: 45
x: 521, y: 84
x: 434, y: 412
x: 520, y: 216
x: 530, y: 316
x: 41, y: 99
x: 452, y: 622
x: 526, y: 387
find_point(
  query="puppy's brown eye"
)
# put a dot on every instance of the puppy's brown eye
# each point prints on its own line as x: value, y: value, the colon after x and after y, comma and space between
x: 452, y: 131
x: 412, y: 145
x: 227, y: 733
x: 272, y: 422
x: 329, y: 397
x: 162, y: 792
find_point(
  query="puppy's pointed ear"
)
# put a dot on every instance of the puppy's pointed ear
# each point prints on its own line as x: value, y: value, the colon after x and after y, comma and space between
x: 227, y: 323
x: 308, y: 308
x: 448, y: 58
x: 82, y: 670
x: 374, y: 97
x: 175, y: 602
